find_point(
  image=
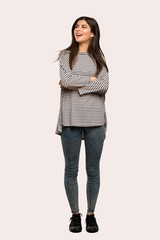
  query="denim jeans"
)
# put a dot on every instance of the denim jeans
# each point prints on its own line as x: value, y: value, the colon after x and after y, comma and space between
x: 71, y: 143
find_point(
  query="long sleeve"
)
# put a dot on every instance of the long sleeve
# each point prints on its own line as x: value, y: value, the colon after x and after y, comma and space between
x: 100, y: 85
x: 81, y: 108
x: 67, y: 79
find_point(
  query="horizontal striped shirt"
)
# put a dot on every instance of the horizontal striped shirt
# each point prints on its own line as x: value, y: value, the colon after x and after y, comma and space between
x: 82, y: 103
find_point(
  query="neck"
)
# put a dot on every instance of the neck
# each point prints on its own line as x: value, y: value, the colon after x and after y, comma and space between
x: 83, y: 47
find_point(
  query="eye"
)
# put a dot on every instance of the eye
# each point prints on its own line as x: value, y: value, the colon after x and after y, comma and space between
x: 84, y: 26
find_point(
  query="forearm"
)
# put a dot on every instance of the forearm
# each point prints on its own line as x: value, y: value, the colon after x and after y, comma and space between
x: 74, y: 81
x: 99, y: 85
x: 68, y: 80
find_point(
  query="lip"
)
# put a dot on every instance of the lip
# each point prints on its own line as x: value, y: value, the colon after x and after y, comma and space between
x: 78, y: 34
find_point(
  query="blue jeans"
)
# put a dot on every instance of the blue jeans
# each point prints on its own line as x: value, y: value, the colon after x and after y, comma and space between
x: 71, y: 143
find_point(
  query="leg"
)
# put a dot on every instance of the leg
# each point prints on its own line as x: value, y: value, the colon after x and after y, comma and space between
x: 94, y: 139
x: 71, y: 143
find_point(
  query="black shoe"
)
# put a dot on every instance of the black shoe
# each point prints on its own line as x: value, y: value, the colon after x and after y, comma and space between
x: 91, y: 224
x: 75, y: 225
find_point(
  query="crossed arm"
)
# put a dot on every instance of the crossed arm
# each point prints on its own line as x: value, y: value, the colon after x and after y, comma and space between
x: 83, y: 84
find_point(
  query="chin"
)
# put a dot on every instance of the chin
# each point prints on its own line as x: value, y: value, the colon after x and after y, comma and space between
x: 77, y: 40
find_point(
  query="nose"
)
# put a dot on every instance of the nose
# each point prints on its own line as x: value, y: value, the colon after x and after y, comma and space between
x: 78, y: 28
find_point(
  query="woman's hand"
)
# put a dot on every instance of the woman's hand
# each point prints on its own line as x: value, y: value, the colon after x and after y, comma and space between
x: 92, y: 78
x: 60, y: 84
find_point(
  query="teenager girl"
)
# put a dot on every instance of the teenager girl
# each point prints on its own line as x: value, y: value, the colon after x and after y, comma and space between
x: 84, y: 82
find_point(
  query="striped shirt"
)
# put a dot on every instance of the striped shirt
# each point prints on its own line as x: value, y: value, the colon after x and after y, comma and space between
x: 82, y: 103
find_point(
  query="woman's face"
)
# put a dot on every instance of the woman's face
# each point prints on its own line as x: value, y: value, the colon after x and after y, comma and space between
x: 82, y: 32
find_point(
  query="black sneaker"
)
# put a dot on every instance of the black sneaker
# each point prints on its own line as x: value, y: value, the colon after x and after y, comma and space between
x: 91, y: 224
x: 75, y: 225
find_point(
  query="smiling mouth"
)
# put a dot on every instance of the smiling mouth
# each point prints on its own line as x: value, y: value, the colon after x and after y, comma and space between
x: 79, y: 34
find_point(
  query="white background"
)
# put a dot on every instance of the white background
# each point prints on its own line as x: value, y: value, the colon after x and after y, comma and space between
x: 33, y: 204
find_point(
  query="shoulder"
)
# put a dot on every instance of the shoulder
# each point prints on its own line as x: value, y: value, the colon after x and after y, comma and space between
x: 64, y: 59
x: 64, y: 55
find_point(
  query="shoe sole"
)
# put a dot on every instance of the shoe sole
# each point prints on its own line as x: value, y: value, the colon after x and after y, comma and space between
x: 75, y: 230
x: 92, y: 230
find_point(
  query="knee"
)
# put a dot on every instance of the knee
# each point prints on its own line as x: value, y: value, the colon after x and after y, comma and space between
x: 93, y: 172
x: 71, y: 172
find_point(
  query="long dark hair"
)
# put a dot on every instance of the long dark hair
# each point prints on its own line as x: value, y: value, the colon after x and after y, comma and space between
x: 94, y: 49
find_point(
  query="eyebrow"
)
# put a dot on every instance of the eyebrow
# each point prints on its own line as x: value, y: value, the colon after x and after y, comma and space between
x: 82, y: 25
